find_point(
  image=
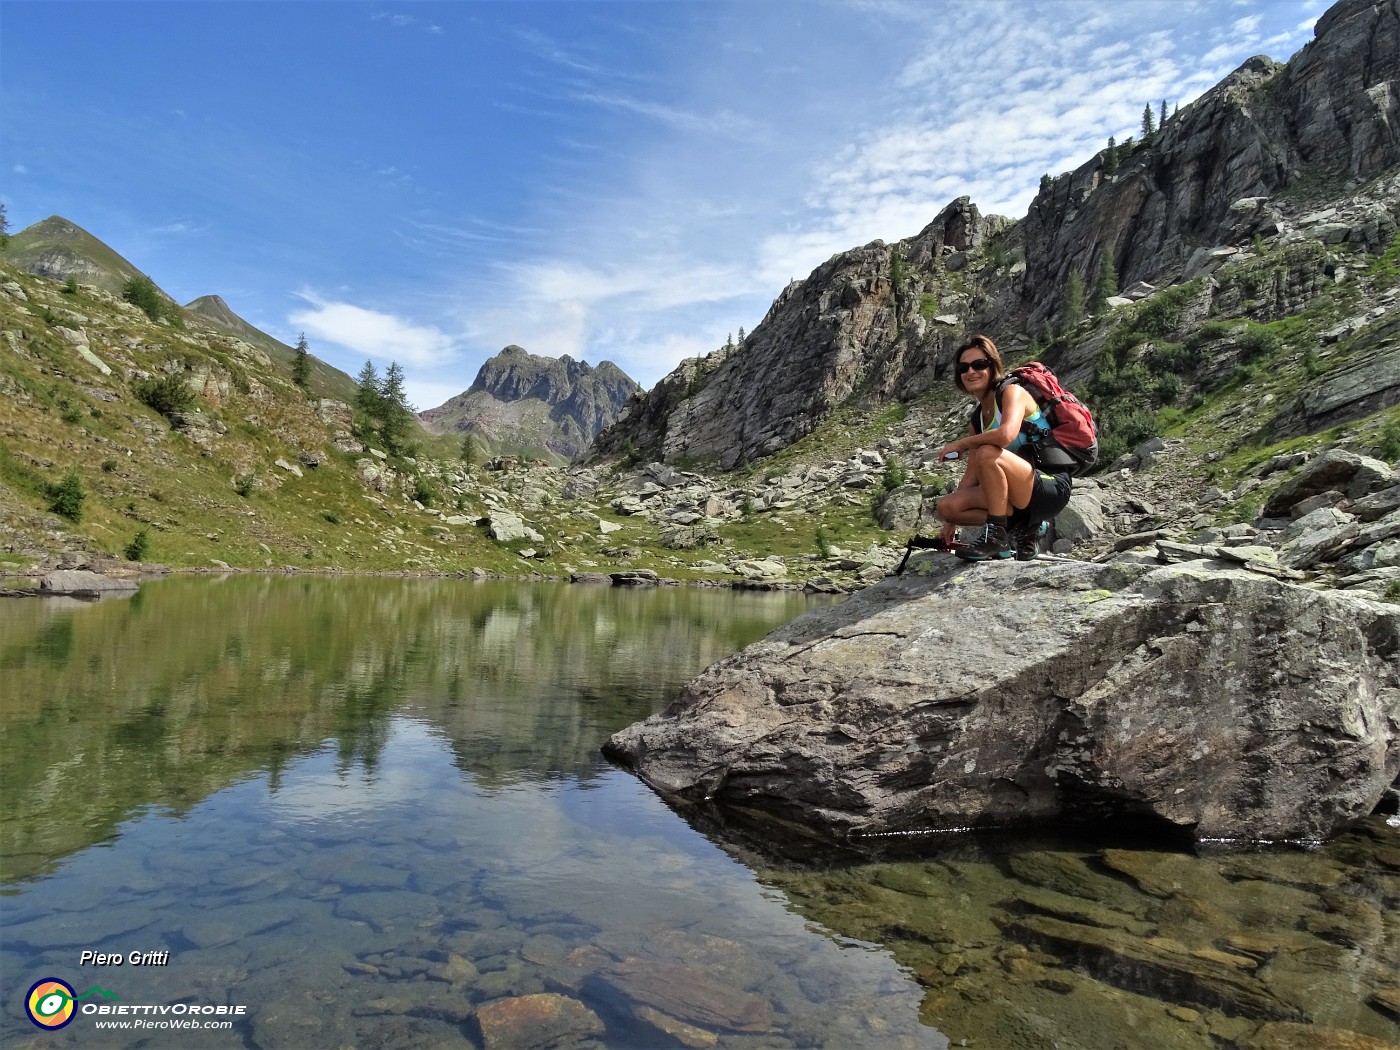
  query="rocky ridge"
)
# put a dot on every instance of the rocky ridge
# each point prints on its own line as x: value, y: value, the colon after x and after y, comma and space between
x: 521, y: 401
x: 1274, y: 156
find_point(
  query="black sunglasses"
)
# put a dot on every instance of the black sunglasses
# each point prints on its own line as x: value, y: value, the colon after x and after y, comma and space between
x: 980, y: 365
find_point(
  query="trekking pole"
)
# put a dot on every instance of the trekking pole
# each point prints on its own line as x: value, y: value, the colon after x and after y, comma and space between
x: 908, y: 550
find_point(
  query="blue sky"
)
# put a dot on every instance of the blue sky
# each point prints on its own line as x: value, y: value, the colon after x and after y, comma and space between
x: 624, y: 181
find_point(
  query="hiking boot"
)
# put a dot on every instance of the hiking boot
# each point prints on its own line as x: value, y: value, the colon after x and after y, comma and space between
x: 991, y: 541
x: 1026, y: 539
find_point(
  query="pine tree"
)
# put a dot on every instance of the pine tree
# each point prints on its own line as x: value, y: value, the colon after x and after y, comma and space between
x: 1162, y: 115
x: 741, y: 335
x: 301, y: 363
x: 4, y: 227
x: 1110, y: 157
x: 1105, y: 284
x: 1148, y: 126
x: 396, y: 414
x: 471, y: 450
x: 1072, y: 312
x: 140, y: 290
x: 370, y: 391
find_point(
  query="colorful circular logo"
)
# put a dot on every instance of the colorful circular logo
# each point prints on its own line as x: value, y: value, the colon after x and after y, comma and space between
x: 49, y: 1003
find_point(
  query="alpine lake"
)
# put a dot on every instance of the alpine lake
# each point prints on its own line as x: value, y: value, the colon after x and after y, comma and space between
x: 372, y: 812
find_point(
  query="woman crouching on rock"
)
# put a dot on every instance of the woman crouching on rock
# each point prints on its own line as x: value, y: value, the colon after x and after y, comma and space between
x: 1001, y: 489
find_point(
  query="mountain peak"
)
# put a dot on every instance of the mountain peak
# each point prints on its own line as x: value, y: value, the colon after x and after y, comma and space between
x: 521, y: 400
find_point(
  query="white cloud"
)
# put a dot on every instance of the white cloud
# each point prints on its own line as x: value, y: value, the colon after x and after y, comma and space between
x: 376, y: 335
x: 724, y: 123
x: 20, y: 169
x: 426, y: 394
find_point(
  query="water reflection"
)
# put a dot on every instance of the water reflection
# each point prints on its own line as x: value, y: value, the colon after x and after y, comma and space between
x: 374, y: 813
x: 165, y: 699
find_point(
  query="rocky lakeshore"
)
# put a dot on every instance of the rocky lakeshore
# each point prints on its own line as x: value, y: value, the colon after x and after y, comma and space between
x: 1193, y: 699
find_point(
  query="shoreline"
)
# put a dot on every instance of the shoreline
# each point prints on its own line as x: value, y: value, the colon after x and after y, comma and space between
x: 615, y: 578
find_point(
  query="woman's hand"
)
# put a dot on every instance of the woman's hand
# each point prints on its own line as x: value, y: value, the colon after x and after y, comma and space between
x: 952, y: 450
x: 949, y: 533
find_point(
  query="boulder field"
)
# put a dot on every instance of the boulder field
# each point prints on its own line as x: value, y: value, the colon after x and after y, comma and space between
x: 1194, y: 698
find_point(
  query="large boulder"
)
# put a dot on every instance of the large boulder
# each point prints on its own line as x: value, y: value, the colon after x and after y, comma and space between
x: 1223, y: 703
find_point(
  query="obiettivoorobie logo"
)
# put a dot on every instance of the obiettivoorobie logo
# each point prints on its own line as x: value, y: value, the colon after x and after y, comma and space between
x: 50, y: 1002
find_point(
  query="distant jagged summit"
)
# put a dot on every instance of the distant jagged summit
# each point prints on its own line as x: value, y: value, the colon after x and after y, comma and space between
x: 520, y: 402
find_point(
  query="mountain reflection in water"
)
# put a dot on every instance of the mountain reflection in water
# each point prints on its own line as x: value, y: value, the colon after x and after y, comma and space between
x: 374, y: 812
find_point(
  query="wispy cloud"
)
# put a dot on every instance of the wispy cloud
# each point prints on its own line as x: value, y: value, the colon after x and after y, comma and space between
x: 724, y: 123
x: 403, y: 21
x: 373, y: 334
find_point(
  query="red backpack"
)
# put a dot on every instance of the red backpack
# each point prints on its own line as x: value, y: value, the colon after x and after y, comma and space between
x: 1073, y: 444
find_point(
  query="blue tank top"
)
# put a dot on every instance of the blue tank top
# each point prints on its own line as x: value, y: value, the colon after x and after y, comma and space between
x: 1033, y: 427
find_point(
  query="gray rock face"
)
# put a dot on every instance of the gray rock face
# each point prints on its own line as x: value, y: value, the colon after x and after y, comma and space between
x: 881, y: 320
x: 79, y: 583
x: 1220, y: 702
x: 521, y: 400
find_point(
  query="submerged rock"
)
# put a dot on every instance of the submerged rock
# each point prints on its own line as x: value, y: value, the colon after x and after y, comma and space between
x: 1212, y: 700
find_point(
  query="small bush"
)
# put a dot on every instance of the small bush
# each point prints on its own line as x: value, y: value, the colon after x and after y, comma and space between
x: 1170, y: 358
x: 66, y: 498
x: 1168, y: 389
x: 331, y: 516
x: 69, y: 412
x: 1259, y: 342
x: 1212, y: 330
x: 169, y: 396
x: 895, y: 474
x: 70, y: 286
x: 423, y: 492
x: 141, y: 291
x: 139, y: 546
x: 1389, y: 447
x: 823, y: 541
x: 109, y: 466
x: 245, y: 484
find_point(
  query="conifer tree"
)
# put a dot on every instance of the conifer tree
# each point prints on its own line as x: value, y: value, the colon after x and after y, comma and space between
x: 301, y: 363
x: 4, y: 227
x: 1110, y: 157
x: 1072, y: 312
x: 370, y: 390
x: 1105, y: 284
x: 1148, y: 126
x: 396, y: 414
x: 741, y: 335
x: 1162, y: 115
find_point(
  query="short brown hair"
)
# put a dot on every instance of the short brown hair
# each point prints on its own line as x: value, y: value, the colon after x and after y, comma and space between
x: 989, y: 349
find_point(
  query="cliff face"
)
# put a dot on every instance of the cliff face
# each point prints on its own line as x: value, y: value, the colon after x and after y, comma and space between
x: 520, y: 401
x: 1327, y: 121
x: 865, y: 321
x: 1269, y: 144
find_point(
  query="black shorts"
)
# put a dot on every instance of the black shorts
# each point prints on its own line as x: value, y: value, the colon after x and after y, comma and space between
x: 1049, y: 496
